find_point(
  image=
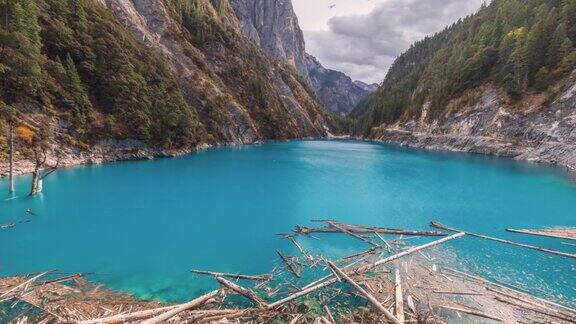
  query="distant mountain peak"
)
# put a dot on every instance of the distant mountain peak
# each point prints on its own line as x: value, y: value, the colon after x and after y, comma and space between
x: 368, y: 87
x: 335, y: 89
x: 273, y: 25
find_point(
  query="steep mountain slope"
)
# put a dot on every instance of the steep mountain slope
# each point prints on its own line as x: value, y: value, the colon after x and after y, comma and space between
x: 159, y: 75
x: 242, y: 95
x: 71, y: 62
x: 499, y: 82
x: 273, y: 25
x: 335, y: 89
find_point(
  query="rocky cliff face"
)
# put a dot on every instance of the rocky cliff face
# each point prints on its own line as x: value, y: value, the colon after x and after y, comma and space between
x: 242, y: 95
x: 538, y: 128
x: 273, y: 25
x: 335, y: 89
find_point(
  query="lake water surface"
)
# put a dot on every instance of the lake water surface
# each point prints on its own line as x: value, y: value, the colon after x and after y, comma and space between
x: 141, y: 226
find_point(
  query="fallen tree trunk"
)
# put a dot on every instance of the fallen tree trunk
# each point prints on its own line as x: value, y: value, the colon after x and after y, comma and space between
x: 367, y: 230
x: 59, y: 280
x: 526, y: 246
x: 308, y: 257
x: 129, y: 317
x: 23, y: 285
x: 540, y: 233
x: 289, y: 264
x: 181, y: 308
x: 472, y: 312
x: 484, y: 281
x: 243, y: 291
x: 329, y: 280
x: 458, y: 293
x: 346, y: 231
x: 234, y: 276
x: 536, y: 310
x: 366, y: 294
x: 398, y: 297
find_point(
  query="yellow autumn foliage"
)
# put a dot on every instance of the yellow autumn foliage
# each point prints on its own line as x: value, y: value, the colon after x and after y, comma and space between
x: 25, y: 134
x: 517, y: 33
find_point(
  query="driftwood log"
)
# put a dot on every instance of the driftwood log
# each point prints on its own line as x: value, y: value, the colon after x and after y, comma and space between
x: 289, y: 264
x: 472, y: 312
x: 366, y: 295
x: 356, y: 229
x: 243, y: 291
x: 181, y: 308
x: 542, y: 233
x: 264, y: 277
x: 329, y: 280
x: 526, y: 246
x: 398, y: 297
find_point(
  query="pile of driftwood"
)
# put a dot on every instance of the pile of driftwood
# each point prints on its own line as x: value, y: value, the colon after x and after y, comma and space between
x: 390, y: 281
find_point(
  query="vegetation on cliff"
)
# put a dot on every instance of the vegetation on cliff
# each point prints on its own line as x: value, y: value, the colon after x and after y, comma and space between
x: 82, y: 67
x: 276, y: 101
x: 519, y: 45
x: 70, y: 59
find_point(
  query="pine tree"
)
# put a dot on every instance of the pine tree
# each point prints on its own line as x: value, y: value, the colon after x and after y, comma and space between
x: 565, y: 48
x: 542, y: 79
x: 82, y: 103
x: 537, y: 43
x: 15, y: 16
x: 30, y: 26
x: 519, y: 60
x: 569, y: 18
x: 78, y: 15
x: 553, y: 55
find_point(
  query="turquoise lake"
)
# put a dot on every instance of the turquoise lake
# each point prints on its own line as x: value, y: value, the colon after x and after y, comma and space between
x: 141, y: 226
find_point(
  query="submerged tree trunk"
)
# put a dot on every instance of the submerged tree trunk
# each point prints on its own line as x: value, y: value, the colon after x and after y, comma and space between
x: 37, y: 173
x: 35, y: 180
x: 11, y: 149
x: 40, y: 173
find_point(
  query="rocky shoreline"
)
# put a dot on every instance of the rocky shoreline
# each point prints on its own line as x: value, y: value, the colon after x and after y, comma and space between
x: 131, y: 150
x: 546, y: 154
x: 103, y: 152
x: 540, y: 128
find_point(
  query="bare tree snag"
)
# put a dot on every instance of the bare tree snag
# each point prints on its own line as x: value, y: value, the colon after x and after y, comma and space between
x: 11, y: 157
x: 39, y: 173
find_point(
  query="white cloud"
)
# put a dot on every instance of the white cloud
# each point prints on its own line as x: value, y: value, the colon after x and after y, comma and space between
x: 365, y: 45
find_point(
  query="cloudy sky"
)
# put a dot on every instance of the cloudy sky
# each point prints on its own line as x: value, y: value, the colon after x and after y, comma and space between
x: 363, y: 37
